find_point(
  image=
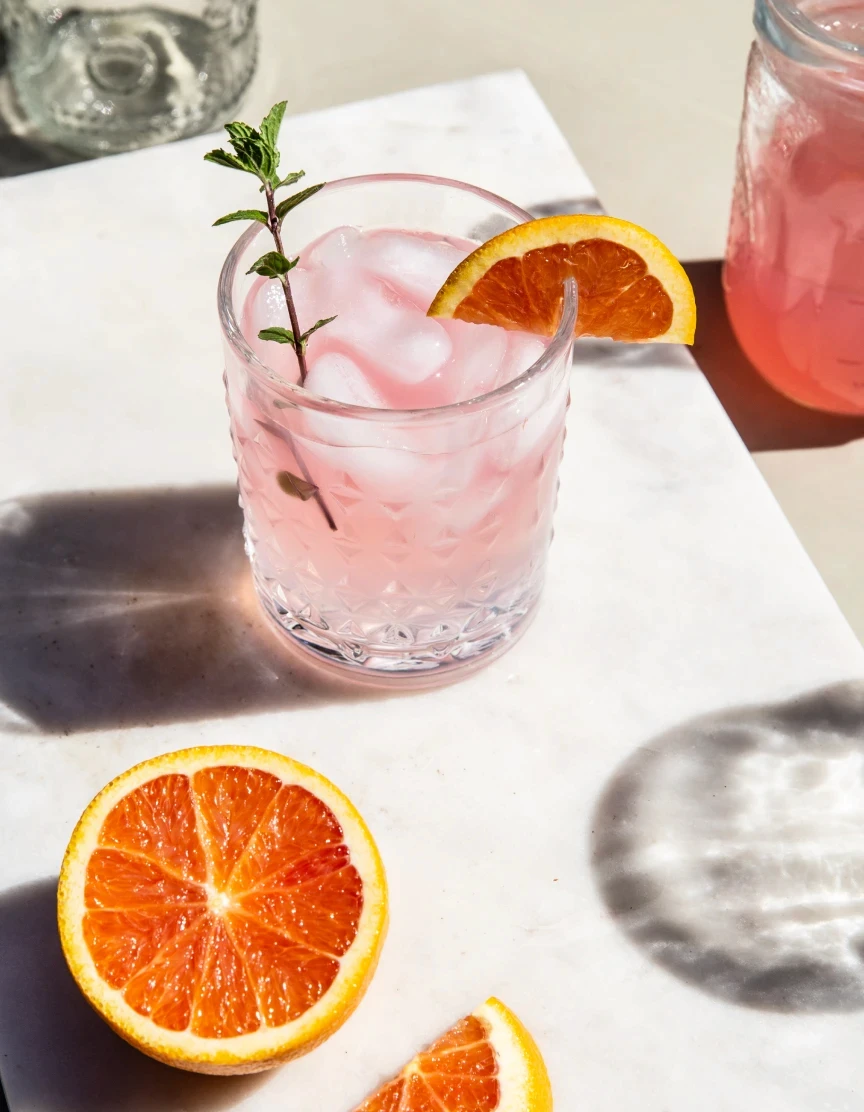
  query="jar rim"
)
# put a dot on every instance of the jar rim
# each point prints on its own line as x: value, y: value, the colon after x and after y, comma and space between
x: 778, y: 18
x: 301, y: 398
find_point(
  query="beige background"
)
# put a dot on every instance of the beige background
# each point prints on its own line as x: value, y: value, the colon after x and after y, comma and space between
x: 649, y: 96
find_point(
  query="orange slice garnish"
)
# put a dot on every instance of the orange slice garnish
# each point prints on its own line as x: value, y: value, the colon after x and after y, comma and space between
x: 631, y: 287
x: 487, y: 1062
x: 222, y: 908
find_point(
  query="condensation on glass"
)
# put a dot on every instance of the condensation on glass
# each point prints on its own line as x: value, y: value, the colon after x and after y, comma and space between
x: 100, y: 78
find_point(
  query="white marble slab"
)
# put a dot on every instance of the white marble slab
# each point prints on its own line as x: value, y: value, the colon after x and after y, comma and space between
x: 709, y: 957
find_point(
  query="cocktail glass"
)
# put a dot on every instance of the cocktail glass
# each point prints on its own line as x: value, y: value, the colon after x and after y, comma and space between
x: 397, y: 546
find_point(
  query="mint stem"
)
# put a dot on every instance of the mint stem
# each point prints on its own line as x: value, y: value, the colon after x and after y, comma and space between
x: 299, y: 346
x: 276, y: 232
x: 285, y: 434
x: 273, y: 224
x: 322, y: 505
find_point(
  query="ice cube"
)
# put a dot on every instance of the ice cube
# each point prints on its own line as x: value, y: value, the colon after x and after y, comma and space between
x: 315, y: 294
x: 333, y: 249
x: 413, y: 351
x: 522, y: 351
x: 312, y: 294
x: 534, y: 435
x: 415, y: 264
x: 385, y: 474
x: 538, y: 409
x: 476, y: 366
x: 265, y: 308
x: 337, y: 377
x: 362, y: 313
x: 399, y: 470
x: 268, y: 308
x: 388, y: 333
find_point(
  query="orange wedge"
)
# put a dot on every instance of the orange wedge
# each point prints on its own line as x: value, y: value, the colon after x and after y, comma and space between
x: 487, y: 1062
x: 631, y: 287
x: 223, y: 908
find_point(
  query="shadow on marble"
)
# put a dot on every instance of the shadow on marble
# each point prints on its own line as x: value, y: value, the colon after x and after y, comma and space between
x: 765, y: 420
x: 83, y: 1065
x: 591, y: 354
x: 731, y: 852
x: 128, y: 608
x: 564, y: 206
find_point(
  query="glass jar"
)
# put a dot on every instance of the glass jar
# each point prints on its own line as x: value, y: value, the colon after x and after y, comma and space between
x: 98, y: 80
x: 794, y: 273
x: 423, y: 549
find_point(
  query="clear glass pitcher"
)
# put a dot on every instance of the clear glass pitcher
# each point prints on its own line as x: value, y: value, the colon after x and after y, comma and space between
x: 794, y: 274
x: 98, y: 79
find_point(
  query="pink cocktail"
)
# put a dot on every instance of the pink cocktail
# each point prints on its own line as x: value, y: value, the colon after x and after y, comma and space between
x: 794, y: 273
x: 399, y: 505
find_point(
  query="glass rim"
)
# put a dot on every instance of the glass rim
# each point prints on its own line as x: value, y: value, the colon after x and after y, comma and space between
x: 790, y: 15
x: 304, y: 399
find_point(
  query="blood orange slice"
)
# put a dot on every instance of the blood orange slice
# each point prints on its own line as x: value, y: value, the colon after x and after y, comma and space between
x: 222, y: 908
x: 487, y: 1062
x: 631, y: 287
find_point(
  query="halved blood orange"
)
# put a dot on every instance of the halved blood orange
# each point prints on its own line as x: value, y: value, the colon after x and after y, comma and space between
x: 631, y: 287
x: 487, y: 1062
x: 223, y: 908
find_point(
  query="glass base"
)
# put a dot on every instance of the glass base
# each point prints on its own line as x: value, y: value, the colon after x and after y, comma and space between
x: 415, y: 669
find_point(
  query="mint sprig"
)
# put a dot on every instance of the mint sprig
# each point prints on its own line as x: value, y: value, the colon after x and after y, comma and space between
x: 256, y: 152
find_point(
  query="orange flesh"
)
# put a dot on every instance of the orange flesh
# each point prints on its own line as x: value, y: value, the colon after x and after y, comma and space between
x: 458, y: 1073
x: 618, y: 298
x: 220, y: 902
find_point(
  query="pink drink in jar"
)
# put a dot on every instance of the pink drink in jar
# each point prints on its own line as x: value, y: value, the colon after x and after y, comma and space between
x: 794, y: 274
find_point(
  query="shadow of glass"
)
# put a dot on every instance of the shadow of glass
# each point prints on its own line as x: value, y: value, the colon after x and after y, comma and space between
x: 731, y: 852
x: 82, y: 1065
x: 561, y: 207
x: 566, y: 206
x: 135, y: 607
x: 594, y: 354
x: 765, y: 420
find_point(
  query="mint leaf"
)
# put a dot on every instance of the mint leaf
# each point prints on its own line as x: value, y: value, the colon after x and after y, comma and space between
x: 289, y: 179
x: 296, y: 199
x: 271, y: 123
x: 223, y: 158
x: 252, y: 151
x: 277, y: 335
x: 239, y: 130
x: 242, y: 214
x: 272, y: 265
x: 296, y: 487
x: 304, y: 339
